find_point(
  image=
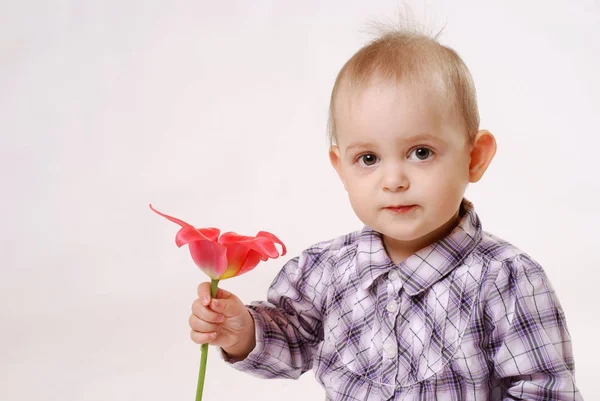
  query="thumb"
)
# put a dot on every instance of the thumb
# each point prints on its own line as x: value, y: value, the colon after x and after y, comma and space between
x: 204, y: 293
x: 223, y: 294
x: 228, y: 306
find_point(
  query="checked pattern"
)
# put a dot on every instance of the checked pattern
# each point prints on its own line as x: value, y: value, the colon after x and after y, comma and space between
x: 470, y: 317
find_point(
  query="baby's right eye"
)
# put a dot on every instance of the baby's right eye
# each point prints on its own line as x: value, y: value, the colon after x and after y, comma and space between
x: 367, y: 159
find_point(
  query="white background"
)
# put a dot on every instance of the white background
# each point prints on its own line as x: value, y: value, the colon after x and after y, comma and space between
x: 216, y: 112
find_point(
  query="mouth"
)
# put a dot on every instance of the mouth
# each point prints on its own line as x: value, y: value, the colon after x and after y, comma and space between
x: 400, y: 208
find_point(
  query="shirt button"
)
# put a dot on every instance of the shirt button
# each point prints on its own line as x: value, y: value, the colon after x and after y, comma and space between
x: 392, y: 306
x: 393, y: 275
x: 389, y: 350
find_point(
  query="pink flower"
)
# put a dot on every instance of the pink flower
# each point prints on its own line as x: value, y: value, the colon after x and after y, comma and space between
x: 228, y: 255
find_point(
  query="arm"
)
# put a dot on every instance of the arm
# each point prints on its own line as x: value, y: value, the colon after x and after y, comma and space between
x: 288, y: 328
x: 531, y: 345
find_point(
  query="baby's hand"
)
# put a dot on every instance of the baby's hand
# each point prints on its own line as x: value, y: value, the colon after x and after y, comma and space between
x: 223, y: 322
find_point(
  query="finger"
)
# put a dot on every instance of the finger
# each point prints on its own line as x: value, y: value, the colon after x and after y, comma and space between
x: 202, y: 326
x: 202, y: 338
x: 204, y: 293
x: 206, y: 314
x: 227, y: 307
x: 223, y: 294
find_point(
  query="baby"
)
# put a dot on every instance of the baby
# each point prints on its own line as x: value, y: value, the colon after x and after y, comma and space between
x: 420, y: 304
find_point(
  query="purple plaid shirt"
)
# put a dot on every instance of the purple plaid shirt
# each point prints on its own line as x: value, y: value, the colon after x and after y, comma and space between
x: 470, y: 317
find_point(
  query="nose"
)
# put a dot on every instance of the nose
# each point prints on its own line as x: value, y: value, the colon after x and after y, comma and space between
x: 395, y: 178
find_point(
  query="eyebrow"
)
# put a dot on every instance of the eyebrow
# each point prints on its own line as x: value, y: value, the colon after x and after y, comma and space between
x: 358, y: 145
x: 423, y: 137
x: 409, y: 139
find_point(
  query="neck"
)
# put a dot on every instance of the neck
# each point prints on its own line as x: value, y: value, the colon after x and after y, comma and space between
x: 398, y: 251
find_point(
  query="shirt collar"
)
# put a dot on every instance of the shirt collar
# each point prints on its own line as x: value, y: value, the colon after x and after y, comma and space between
x: 428, y: 265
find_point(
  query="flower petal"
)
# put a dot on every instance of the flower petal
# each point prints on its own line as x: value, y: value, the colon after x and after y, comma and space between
x: 173, y: 219
x: 230, y: 254
x: 236, y: 257
x: 273, y: 238
x: 210, y: 257
x: 263, y: 243
x: 188, y: 233
x: 211, y: 233
x: 234, y: 237
x: 265, y: 247
x: 252, y: 260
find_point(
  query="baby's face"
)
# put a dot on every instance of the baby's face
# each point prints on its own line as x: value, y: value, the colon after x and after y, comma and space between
x: 403, y: 161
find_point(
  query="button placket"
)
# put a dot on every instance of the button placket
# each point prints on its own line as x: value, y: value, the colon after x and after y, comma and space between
x: 389, y: 347
x: 393, y: 288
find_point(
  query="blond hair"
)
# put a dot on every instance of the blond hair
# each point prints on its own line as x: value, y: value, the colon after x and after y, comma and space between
x: 413, y: 58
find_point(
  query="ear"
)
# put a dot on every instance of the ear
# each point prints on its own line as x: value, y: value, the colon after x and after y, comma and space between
x: 482, y: 152
x: 334, y: 157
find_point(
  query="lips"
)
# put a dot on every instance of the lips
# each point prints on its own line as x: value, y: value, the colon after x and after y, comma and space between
x: 400, y: 208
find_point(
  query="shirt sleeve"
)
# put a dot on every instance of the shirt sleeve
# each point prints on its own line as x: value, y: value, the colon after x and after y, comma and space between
x: 531, y: 345
x: 289, y: 325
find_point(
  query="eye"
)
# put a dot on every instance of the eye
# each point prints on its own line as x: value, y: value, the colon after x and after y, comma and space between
x: 420, y: 153
x: 367, y: 159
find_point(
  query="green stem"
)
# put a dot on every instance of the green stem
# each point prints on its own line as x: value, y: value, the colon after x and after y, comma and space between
x: 204, y: 350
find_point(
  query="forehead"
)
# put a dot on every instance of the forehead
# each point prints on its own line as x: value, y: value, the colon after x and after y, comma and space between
x: 384, y: 109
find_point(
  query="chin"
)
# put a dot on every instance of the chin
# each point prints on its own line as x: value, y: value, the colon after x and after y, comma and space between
x: 401, y: 235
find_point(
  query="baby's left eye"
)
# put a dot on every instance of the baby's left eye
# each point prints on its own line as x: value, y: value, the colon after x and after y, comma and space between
x: 420, y: 154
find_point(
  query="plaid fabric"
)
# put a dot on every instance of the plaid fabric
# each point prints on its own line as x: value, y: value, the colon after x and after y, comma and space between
x: 470, y: 317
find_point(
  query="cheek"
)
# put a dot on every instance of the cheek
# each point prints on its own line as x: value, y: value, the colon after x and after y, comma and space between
x: 355, y: 181
x: 358, y: 194
x: 445, y: 181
